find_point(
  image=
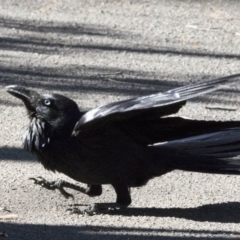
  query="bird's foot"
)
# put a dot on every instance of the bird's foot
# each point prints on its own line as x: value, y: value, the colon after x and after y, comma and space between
x: 96, y: 208
x: 93, y: 209
x: 52, y: 185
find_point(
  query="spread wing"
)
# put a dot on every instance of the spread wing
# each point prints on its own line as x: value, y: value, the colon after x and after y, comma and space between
x: 150, y: 106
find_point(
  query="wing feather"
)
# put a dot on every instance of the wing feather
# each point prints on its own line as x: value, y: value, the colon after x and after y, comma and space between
x: 165, y: 103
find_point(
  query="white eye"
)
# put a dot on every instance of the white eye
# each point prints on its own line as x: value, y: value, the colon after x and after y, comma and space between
x: 47, y: 102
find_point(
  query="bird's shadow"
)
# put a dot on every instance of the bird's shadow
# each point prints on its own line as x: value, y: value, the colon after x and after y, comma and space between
x: 228, y: 212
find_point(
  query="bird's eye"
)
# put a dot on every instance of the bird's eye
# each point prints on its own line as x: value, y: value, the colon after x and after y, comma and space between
x: 47, y: 102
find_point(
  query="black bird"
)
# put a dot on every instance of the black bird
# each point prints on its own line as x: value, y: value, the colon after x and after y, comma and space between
x: 126, y: 143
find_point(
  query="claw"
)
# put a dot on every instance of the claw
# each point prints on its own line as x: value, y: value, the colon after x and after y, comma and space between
x: 38, y: 180
x: 59, y: 184
x: 74, y: 211
x: 65, y: 193
x: 92, y: 209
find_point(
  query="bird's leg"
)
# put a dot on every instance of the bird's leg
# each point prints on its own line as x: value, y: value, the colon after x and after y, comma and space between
x: 123, y: 200
x: 91, y: 190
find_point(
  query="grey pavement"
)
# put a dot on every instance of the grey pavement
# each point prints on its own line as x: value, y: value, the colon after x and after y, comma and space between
x: 97, y: 52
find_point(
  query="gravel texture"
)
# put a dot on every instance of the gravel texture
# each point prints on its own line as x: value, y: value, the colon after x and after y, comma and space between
x: 97, y: 52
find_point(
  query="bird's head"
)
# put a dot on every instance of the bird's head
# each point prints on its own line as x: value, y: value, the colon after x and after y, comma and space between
x: 59, y: 111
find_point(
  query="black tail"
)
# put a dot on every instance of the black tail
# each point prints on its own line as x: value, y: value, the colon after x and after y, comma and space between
x: 205, y: 164
x: 217, y: 152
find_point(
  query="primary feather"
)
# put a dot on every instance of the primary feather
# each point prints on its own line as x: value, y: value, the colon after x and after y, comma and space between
x: 165, y: 103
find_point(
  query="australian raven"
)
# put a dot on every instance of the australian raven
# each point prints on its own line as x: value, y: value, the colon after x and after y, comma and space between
x: 126, y: 143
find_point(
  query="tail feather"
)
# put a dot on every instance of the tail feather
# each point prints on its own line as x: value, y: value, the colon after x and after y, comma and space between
x: 223, y: 144
x: 217, y: 152
x: 207, y: 164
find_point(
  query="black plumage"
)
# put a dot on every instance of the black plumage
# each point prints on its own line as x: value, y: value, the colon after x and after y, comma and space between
x: 126, y: 143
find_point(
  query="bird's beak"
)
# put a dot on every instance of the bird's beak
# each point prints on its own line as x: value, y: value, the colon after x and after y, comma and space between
x: 29, y: 97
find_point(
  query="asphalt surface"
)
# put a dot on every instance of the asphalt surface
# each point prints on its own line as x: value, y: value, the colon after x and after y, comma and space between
x: 97, y: 52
